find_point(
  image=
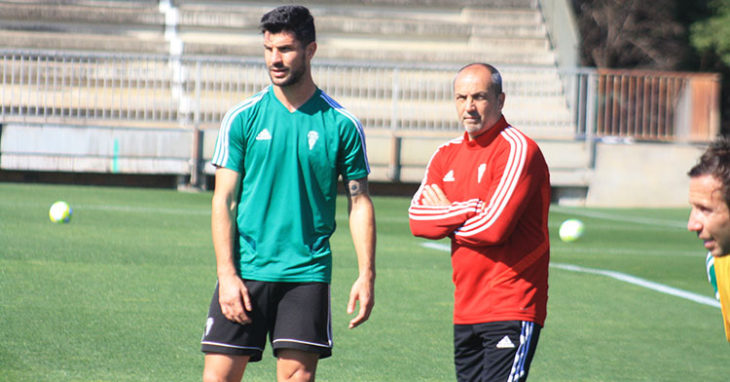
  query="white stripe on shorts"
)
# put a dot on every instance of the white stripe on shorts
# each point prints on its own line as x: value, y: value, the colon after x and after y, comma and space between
x: 230, y: 346
x: 518, y: 366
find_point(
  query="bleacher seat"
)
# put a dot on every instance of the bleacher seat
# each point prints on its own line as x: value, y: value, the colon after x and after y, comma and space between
x: 112, y: 26
x: 507, y: 33
x: 408, y: 34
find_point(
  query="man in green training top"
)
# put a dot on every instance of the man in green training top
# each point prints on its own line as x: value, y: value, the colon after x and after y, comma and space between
x: 279, y: 155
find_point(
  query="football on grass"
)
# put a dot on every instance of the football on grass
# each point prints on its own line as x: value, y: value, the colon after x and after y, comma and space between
x: 60, y: 212
x: 571, y: 230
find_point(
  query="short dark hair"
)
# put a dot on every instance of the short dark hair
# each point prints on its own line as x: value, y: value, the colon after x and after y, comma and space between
x: 715, y: 161
x: 496, y: 76
x: 292, y: 18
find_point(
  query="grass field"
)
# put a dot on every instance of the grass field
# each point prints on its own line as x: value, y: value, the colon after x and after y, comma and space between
x: 121, y: 294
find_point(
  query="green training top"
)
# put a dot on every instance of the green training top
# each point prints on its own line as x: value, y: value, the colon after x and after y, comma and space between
x: 290, y: 163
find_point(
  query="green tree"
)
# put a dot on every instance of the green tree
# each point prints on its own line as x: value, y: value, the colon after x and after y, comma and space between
x: 632, y: 33
x: 712, y: 35
x: 677, y: 35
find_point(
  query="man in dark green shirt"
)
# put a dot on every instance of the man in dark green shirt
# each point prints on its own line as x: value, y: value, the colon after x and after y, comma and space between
x: 279, y: 155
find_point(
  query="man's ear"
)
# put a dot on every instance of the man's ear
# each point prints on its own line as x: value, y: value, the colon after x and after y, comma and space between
x: 311, y: 49
x: 500, y: 99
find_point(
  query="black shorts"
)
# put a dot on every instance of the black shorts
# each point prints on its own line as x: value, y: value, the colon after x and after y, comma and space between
x: 294, y: 315
x: 495, y: 351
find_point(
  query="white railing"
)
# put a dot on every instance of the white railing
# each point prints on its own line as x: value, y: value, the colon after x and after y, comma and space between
x: 96, y: 88
x: 154, y: 90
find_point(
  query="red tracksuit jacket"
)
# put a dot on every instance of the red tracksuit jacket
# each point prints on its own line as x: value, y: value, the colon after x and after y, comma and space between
x: 499, y: 188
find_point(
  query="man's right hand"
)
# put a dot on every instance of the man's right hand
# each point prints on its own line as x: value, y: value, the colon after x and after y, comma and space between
x: 434, y: 196
x: 234, y: 299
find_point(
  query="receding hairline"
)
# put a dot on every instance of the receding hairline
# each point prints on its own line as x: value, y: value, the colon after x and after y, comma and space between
x: 490, y: 68
x: 494, y: 75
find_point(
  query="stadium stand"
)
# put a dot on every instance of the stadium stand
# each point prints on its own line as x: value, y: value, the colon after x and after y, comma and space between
x: 178, y: 65
x: 407, y: 34
x: 110, y: 26
x: 451, y: 33
x: 367, y: 45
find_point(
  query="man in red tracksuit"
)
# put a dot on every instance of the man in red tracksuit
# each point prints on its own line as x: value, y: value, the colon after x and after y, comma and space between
x: 489, y: 191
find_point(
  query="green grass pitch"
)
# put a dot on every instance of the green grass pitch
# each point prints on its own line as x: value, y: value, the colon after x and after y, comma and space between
x: 121, y: 293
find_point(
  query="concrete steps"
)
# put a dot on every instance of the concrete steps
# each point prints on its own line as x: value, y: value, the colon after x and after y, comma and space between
x: 380, y: 3
x: 138, y: 43
x: 134, y: 26
x: 415, y: 34
x: 365, y: 35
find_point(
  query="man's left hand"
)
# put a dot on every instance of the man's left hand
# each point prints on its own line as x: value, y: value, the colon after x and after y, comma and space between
x: 363, y: 292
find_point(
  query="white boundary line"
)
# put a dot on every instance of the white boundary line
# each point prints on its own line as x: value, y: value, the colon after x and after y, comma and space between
x: 620, y: 218
x: 661, y: 288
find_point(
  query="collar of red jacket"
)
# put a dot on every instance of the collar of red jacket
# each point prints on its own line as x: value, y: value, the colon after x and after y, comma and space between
x: 488, y: 136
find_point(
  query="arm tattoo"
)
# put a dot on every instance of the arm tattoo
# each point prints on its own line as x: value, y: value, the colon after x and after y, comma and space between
x: 357, y: 187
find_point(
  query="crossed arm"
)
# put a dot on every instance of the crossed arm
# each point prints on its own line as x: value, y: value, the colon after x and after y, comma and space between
x: 486, y: 219
x: 434, y: 196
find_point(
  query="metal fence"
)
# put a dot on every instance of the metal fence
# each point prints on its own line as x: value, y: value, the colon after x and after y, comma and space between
x: 89, y: 88
x: 154, y: 90
x: 645, y: 105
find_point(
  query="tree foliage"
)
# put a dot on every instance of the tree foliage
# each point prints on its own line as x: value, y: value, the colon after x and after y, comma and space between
x: 712, y: 35
x: 677, y: 35
x: 631, y: 33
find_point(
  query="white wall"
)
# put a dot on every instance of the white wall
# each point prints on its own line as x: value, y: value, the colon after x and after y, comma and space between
x: 641, y: 175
